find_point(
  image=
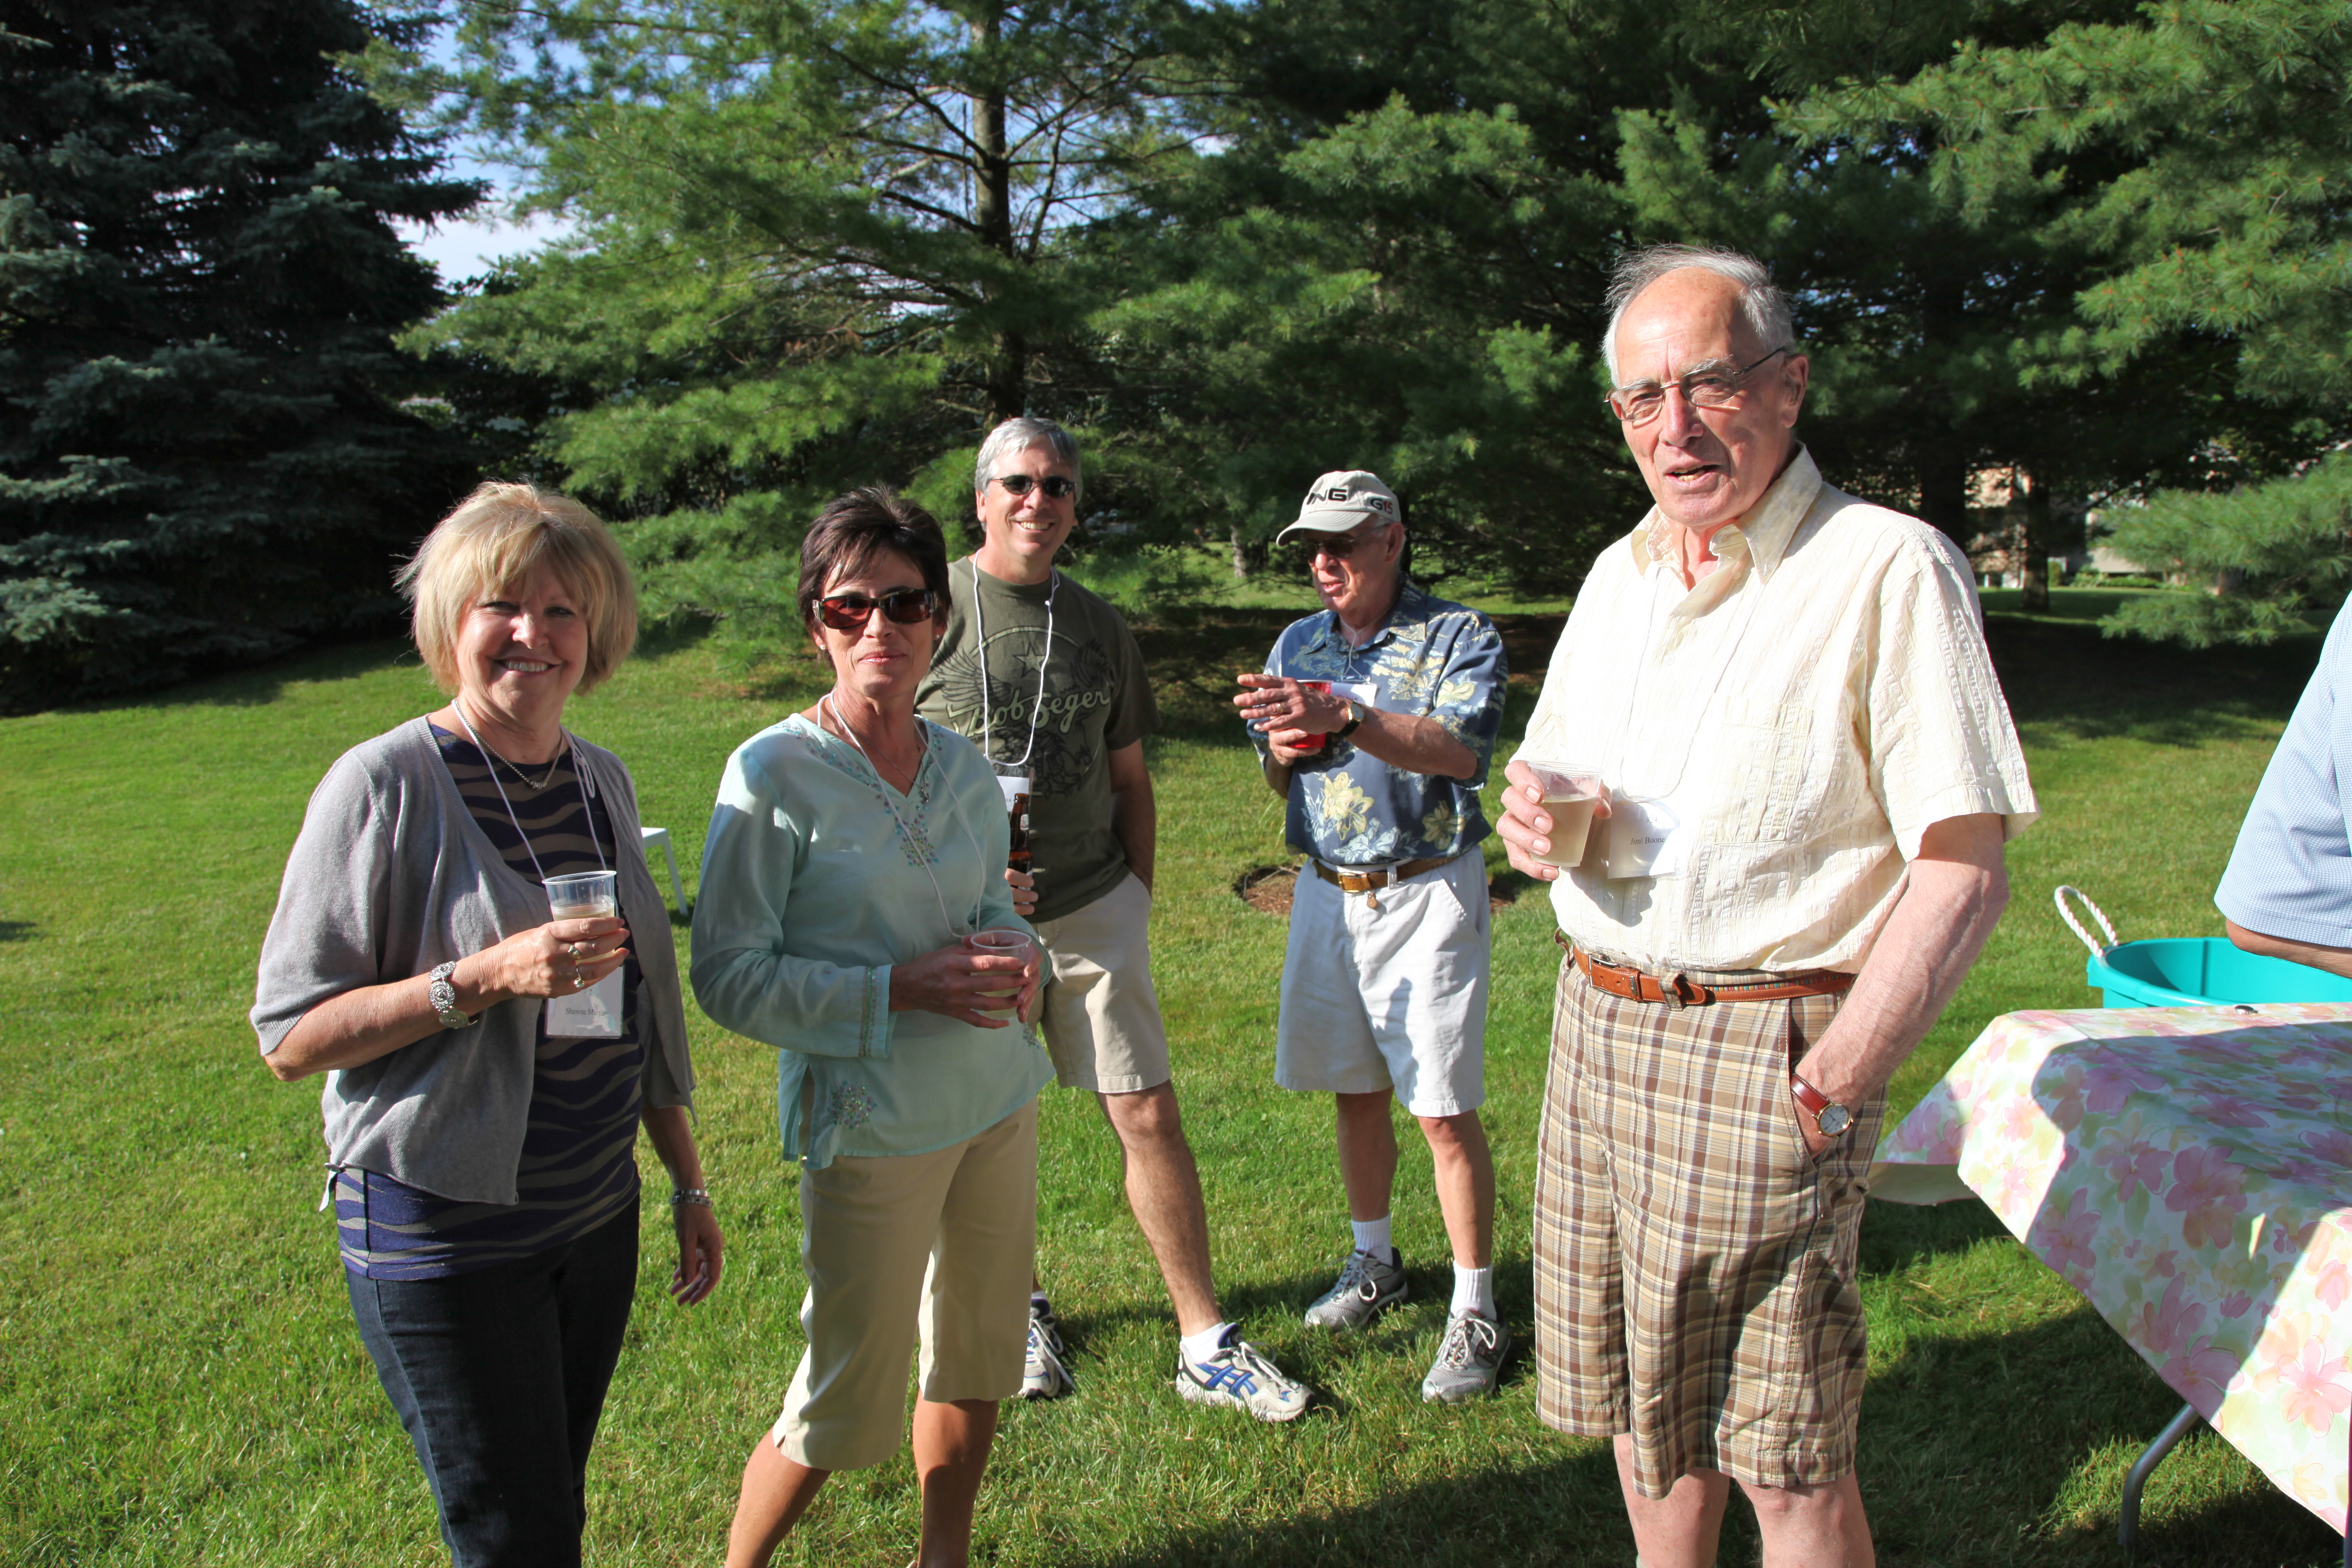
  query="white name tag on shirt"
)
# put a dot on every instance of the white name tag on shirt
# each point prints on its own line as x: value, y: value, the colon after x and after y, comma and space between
x: 1011, y: 785
x: 1362, y: 691
x: 1649, y: 837
x: 591, y: 1014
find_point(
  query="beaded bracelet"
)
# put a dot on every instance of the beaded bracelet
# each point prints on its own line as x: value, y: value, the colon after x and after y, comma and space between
x: 699, y: 1197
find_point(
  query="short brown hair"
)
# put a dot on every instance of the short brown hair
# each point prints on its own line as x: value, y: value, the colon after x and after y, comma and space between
x: 493, y: 539
x: 855, y: 530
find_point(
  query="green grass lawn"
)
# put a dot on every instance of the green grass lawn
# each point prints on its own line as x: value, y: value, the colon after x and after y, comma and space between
x: 180, y: 1382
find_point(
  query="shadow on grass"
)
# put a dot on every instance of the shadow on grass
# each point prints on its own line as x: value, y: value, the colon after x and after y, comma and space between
x: 2069, y: 679
x: 17, y: 930
x: 1564, y: 1512
x: 1975, y: 1449
x: 1945, y: 1475
x: 263, y: 684
x: 1897, y: 1237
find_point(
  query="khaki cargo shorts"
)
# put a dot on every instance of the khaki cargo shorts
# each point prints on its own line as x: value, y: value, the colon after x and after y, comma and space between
x: 1101, y: 1018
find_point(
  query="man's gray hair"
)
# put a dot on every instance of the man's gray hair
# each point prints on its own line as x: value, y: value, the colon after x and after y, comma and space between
x: 1016, y: 437
x: 1766, y: 308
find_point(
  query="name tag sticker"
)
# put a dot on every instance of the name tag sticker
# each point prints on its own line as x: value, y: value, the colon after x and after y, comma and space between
x: 1012, y: 785
x: 1648, y: 838
x: 591, y: 1014
x: 1362, y: 691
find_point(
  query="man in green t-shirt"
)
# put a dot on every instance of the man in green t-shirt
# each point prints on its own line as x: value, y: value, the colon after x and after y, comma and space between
x: 1046, y: 677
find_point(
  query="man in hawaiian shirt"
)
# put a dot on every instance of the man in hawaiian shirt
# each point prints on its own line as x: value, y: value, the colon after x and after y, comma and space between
x: 1377, y: 717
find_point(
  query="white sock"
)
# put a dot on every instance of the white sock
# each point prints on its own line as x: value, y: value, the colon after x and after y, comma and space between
x: 1202, y: 1346
x: 1037, y: 1302
x: 1373, y: 1237
x: 1474, y: 1290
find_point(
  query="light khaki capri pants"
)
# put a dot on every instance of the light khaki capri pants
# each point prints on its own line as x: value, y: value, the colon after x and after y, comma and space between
x: 937, y: 1246
x: 1694, y: 1265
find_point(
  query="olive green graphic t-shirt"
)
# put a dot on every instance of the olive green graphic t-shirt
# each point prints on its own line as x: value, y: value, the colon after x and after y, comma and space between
x: 1096, y: 698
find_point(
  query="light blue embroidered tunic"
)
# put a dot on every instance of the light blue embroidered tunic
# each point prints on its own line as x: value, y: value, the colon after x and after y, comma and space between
x: 811, y: 891
x: 1432, y: 658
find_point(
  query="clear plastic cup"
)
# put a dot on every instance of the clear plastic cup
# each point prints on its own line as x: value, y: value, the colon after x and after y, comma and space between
x: 584, y: 895
x: 1003, y: 941
x: 1571, y: 790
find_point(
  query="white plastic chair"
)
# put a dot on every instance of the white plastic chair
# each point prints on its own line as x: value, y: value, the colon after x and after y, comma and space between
x: 653, y: 835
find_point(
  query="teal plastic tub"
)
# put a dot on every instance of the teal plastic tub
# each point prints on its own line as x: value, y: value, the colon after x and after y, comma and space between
x: 2204, y: 972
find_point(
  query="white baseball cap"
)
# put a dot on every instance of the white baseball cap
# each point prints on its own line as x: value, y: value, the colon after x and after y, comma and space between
x: 1342, y: 499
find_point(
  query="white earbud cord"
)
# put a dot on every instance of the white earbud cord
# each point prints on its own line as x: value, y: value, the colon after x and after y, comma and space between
x: 980, y: 635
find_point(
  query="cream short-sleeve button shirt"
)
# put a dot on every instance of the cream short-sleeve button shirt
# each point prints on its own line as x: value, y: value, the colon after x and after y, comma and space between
x: 1810, y: 708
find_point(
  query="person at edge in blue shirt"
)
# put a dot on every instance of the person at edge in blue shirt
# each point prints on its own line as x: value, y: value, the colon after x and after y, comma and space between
x: 2287, y: 893
x: 1376, y: 718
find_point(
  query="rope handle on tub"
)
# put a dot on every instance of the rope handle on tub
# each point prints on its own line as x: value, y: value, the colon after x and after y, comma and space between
x: 2098, y: 914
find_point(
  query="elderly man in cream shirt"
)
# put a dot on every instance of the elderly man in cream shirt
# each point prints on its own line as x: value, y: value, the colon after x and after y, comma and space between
x: 1809, y: 775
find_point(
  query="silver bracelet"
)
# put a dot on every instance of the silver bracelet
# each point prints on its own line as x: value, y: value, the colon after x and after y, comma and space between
x: 679, y: 1197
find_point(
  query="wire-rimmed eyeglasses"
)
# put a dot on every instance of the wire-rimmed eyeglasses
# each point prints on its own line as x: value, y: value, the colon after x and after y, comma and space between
x: 1712, y: 386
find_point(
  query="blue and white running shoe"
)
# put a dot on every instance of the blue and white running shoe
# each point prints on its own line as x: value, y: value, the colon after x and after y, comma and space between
x: 1244, y: 1377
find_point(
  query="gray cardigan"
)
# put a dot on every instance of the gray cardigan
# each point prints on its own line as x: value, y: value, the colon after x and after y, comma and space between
x: 391, y: 875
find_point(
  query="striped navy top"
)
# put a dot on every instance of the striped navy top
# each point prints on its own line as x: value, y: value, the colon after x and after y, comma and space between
x: 579, y: 1166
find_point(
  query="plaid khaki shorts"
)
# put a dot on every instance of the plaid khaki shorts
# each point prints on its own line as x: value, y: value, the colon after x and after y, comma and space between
x: 1695, y: 1268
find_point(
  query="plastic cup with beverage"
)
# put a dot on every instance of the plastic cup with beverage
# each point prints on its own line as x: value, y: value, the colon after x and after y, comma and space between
x: 1571, y: 790
x: 1003, y: 941
x: 1316, y: 744
x: 583, y: 896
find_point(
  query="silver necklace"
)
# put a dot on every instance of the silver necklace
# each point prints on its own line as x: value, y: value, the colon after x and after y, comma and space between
x: 540, y: 783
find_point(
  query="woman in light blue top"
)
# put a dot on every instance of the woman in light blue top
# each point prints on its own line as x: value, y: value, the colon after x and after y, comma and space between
x: 852, y: 883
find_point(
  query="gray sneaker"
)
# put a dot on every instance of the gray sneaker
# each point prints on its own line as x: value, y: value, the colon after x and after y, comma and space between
x: 1244, y: 1377
x: 1468, y: 1360
x: 1042, y: 1375
x: 1367, y: 1287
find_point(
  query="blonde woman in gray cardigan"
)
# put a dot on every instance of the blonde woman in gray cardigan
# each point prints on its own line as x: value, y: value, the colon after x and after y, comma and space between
x: 483, y: 1088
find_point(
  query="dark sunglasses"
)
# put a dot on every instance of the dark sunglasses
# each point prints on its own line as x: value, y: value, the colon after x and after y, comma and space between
x: 1058, y: 487
x: 1337, y: 546
x: 850, y: 612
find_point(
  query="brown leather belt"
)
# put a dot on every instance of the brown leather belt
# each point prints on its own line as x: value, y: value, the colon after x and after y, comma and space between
x: 1366, y: 881
x: 1681, y: 990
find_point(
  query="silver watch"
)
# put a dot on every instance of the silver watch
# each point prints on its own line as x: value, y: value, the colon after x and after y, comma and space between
x: 444, y: 996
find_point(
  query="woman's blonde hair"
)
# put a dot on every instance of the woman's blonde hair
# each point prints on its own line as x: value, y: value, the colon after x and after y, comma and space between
x: 494, y: 539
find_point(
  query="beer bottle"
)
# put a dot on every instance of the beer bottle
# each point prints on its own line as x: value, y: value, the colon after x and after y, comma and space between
x: 1019, y: 859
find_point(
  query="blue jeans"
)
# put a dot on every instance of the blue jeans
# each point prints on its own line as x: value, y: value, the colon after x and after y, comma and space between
x: 499, y: 1376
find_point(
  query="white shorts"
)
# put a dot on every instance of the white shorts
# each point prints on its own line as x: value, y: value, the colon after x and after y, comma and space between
x: 940, y: 1247
x: 1387, y: 990
x: 1101, y: 1020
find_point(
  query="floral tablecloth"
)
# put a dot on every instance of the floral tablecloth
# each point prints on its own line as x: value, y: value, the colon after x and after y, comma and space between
x: 2190, y: 1171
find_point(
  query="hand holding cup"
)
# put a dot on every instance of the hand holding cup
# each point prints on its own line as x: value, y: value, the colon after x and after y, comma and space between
x: 1548, y: 808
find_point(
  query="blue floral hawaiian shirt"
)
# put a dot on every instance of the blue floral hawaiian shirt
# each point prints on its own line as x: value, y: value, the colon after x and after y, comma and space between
x: 1431, y: 658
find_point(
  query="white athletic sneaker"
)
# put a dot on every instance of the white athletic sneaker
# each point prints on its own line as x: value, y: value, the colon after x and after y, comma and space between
x: 1244, y: 1377
x: 1368, y: 1287
x: 1042, y: 1375
x: 1469, y: 1359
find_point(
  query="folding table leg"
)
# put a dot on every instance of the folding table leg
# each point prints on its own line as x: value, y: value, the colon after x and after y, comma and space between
x: 2128, y: 1530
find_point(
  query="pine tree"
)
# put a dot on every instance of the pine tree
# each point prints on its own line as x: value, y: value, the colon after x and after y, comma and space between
x: 201, y: 457
x: 817, y: 244
x: 2198, y: 151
